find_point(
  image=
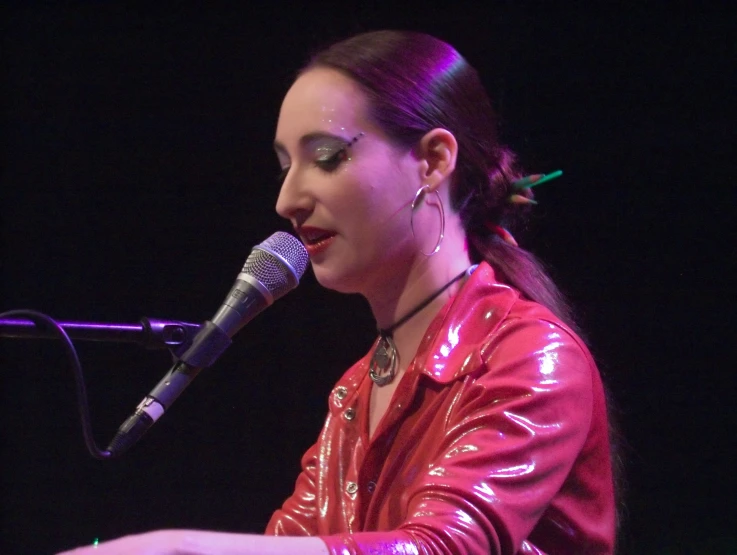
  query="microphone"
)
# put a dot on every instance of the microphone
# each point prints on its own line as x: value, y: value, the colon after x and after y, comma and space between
x: 273, y: 268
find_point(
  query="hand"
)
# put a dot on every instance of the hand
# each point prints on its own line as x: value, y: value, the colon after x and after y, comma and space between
x: 161, y: 542
x: 176, y: 542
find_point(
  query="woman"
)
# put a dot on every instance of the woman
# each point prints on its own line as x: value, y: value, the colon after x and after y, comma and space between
x: 477, y: 421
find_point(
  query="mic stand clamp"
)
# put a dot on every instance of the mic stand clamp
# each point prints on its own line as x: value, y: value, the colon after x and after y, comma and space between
x: 175, y: 336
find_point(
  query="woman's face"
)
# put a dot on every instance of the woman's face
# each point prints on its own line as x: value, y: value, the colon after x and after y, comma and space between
x: 347, y: 190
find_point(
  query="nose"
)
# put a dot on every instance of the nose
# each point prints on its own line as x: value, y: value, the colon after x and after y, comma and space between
x: 293, y: 202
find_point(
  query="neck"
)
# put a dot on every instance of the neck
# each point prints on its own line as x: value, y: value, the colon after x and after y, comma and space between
x: 401, y: 292
x: 388, y: 332
x: 406, y: 291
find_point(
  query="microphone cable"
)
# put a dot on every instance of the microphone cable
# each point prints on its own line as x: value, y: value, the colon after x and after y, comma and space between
x: 82, y: 401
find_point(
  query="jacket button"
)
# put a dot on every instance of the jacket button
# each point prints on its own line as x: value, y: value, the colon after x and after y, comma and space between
x: 350, y: 414
x: 341, y: 392
x: 351, y: 487
x: 371, y: 486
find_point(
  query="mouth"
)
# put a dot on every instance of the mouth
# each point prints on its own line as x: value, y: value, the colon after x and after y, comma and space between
x: 313, y: 236
x: 316, y: 240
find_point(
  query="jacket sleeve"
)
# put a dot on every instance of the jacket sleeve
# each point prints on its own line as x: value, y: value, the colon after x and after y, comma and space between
x: 518, y: 424
x: 297, y: 515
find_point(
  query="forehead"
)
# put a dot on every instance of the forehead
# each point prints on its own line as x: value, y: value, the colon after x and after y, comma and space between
x: 321, y: 99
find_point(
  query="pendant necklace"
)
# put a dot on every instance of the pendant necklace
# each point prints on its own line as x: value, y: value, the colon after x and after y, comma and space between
x: 385, y: 359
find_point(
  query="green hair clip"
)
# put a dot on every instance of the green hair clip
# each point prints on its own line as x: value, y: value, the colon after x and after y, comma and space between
x: 528, y: 182
x: 535, y: 180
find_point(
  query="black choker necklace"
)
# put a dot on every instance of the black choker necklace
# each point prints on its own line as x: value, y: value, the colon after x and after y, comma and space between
x: 384, y: 361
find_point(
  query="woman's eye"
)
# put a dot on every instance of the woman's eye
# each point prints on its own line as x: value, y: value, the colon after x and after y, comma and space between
x: 332, y: 161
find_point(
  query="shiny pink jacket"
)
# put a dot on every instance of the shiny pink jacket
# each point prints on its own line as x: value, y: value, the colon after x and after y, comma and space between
x: 497, y: 442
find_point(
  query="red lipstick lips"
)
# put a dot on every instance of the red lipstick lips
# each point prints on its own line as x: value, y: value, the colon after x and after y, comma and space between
x: 316, y: 240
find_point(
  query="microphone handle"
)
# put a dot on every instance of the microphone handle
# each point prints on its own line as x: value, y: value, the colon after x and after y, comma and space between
x: 206, y: 347
x: 152, y: 407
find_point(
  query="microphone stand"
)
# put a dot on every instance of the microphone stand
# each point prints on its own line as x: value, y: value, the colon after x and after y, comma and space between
x: 150, y: 333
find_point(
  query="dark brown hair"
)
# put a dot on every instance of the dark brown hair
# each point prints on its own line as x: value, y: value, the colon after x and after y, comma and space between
x: 416, y: 83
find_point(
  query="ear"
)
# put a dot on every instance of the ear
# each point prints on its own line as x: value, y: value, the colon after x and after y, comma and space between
x: 437, y: 153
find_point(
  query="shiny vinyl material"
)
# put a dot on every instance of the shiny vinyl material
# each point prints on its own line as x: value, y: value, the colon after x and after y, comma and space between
x: 496, y: 442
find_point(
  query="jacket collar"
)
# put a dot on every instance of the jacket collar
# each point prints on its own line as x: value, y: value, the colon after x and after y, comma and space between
x: 451, y: 347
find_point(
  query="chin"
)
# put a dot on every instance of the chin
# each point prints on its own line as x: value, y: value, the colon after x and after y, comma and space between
x: 339, y: 280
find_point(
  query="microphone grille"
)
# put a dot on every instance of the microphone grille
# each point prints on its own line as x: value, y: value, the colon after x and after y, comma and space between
x: 278, y: 263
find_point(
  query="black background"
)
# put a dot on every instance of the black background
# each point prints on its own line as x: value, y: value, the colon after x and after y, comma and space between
x: 138, y: 172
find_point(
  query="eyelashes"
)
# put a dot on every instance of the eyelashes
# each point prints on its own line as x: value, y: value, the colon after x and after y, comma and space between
x: 331, y: 163
x: 328, y: 164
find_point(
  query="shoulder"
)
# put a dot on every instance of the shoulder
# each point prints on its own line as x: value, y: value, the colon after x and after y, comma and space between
x: 532, y: 346
x: 532, y: 328
x: 489, y: 325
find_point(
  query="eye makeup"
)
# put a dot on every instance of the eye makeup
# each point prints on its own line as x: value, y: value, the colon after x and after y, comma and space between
x: 329, y: 151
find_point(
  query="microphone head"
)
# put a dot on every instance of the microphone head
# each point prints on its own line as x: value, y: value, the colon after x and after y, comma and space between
x: 277, y: 263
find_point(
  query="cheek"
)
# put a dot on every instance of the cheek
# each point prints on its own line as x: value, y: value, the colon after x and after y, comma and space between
x: 377, y: 211
x: 372, y: 200
x: 390, y: 190
x: 385, y: 231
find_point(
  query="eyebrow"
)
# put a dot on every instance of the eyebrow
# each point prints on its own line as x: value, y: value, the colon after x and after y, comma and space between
x: 305, y: 140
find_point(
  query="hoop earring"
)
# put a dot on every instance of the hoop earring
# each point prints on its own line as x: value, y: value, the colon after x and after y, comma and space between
x: 415, y: 203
